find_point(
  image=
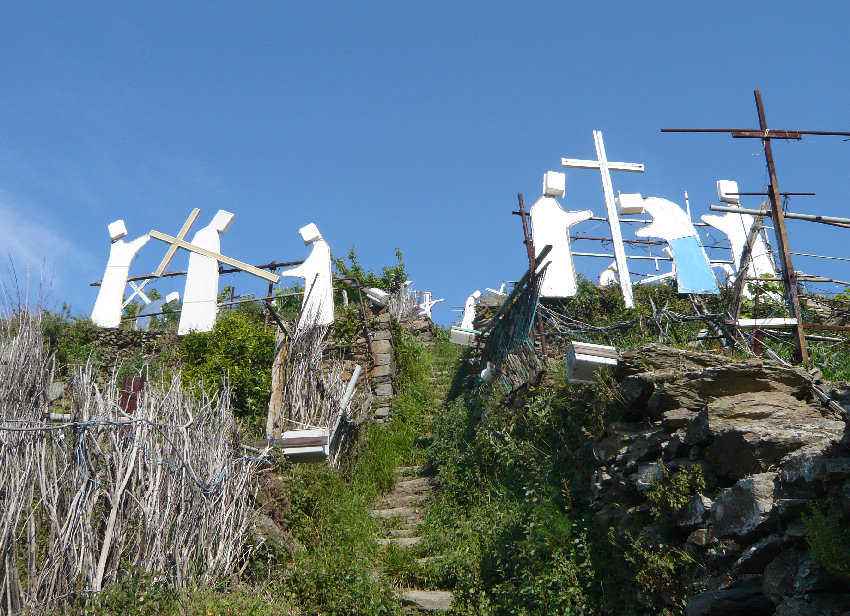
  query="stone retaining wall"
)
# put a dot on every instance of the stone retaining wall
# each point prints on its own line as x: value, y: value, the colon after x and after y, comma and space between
x: 772, y: 451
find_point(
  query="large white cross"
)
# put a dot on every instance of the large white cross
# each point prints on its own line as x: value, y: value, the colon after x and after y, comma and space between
x: 179, y: 242
x: 613, y: 219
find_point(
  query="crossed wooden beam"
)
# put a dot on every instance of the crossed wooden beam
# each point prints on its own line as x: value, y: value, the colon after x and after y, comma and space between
x: 180, y: 242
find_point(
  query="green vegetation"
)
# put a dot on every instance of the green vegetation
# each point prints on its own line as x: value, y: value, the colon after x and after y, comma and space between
x: 829, y: 541
x: 238, y: 352
x: 510, y: 531
x: 390, y: 279
x: 672, y: 491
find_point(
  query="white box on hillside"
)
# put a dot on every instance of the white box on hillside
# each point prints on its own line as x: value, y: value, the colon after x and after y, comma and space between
x: 629, y: 204
x: 463, y: 337
x: 584, y: 360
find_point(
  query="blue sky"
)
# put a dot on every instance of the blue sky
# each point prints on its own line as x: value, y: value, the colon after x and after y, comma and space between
x: 396, y: 124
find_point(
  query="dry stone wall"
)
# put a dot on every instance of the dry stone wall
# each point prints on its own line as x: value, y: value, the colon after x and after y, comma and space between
x: 770, y: 450
x: 382, y: 376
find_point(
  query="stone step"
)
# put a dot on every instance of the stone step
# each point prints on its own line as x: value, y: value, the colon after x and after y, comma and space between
x: 428, y: 559
x: 402, y: 542
x: 428, y: 600
x: 395, y: 512
x: 402, y: 532
x: 417, y: 484
x: 409, y: 471
x: 396, y: 500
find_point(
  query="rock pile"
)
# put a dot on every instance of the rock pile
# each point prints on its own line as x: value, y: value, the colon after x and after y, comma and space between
x: 770, y: 451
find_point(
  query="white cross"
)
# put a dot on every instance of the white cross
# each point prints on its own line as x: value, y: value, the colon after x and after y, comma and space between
x: 137, y: 290
x: 613, y: 220
x: 179, y: 242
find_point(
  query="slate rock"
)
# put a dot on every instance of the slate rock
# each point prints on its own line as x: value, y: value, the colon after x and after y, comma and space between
x: 819, y: 604
x: 647, y: 475
x: 745, y: 599
x: 634, y: 391
x: 817, y: 462
x: 779, y: 575
x: 757, y: 556
x: 702, y: 537
x: 677, y: 418
x: 694, y: 512
x: 657, y: 357
x: 744, y: 509
x: 754, y: 432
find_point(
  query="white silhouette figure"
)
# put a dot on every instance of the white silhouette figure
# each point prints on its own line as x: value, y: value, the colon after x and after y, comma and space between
x: 107, y: 306
x: 608, y: 277
x: 550, y: 225
x: 671, y: 223
x: 427, y: 304
x: 318, y: 305
x: 737, y: 227
x: 200, y: 297
x: 143, y: 319
x: 468, y: 319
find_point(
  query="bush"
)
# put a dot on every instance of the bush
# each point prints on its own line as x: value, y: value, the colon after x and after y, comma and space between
x: 239, y: 350
x: 390, y: 279
x: 829, y: 542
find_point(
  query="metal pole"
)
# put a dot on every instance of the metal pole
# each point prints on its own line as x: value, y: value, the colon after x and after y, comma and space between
x: 828, y: 220
x: 789, y: 276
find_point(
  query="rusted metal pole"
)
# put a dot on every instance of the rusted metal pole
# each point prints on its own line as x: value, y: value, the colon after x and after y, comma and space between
x: 529, y: 246
x: 789, y: 276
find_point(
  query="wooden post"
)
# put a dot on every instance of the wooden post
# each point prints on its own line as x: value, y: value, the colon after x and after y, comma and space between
x: 529, y: 246
x: 789, y: 276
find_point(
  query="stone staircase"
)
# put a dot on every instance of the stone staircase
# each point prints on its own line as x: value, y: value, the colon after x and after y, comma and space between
x: 405, y: 507
x: 404, y: 511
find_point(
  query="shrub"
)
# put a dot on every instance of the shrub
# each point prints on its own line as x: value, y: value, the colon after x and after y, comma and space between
x: 829, y: 542
x: 239, y: 351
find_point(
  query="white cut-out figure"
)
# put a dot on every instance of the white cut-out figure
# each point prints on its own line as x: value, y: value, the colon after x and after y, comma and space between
x: 671, y: 223
x: 550, y: 225
x: 143, y: 320
x: 608, y: 277
x: 469, y: 311
x: 427, y: 304
x: 107, y: 306
x: 200, y: 297
x: 318, y: 305
x: 737, y: 227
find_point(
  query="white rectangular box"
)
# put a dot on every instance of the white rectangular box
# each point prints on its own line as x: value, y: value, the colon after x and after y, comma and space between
x: 727, y: 191
x: 554, y: 184
x: 585, y: 359
x: 307, y: 445
x: 463, y: 337
x: 629, y: 204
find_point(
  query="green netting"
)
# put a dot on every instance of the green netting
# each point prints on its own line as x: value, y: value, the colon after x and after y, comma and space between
x: 509, y: 350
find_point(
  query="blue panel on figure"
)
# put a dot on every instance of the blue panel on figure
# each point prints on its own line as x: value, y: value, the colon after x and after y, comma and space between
x: 693, y: 272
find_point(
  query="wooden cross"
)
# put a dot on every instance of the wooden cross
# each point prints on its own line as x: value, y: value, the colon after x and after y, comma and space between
x: 789, y: 275
x: 179, y: 242
x: 605, y: 169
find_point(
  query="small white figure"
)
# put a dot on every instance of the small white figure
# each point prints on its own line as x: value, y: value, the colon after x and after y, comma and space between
x: 671, y: 223
x: 737, y: 227
x: 469, y: 311
x: 200, y: 297
x: 107, y: 306
x: 318, y: 305
x: 608, y: 277
x: 550, y: 225
x: 143, y: 319
x: 427, y: 304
